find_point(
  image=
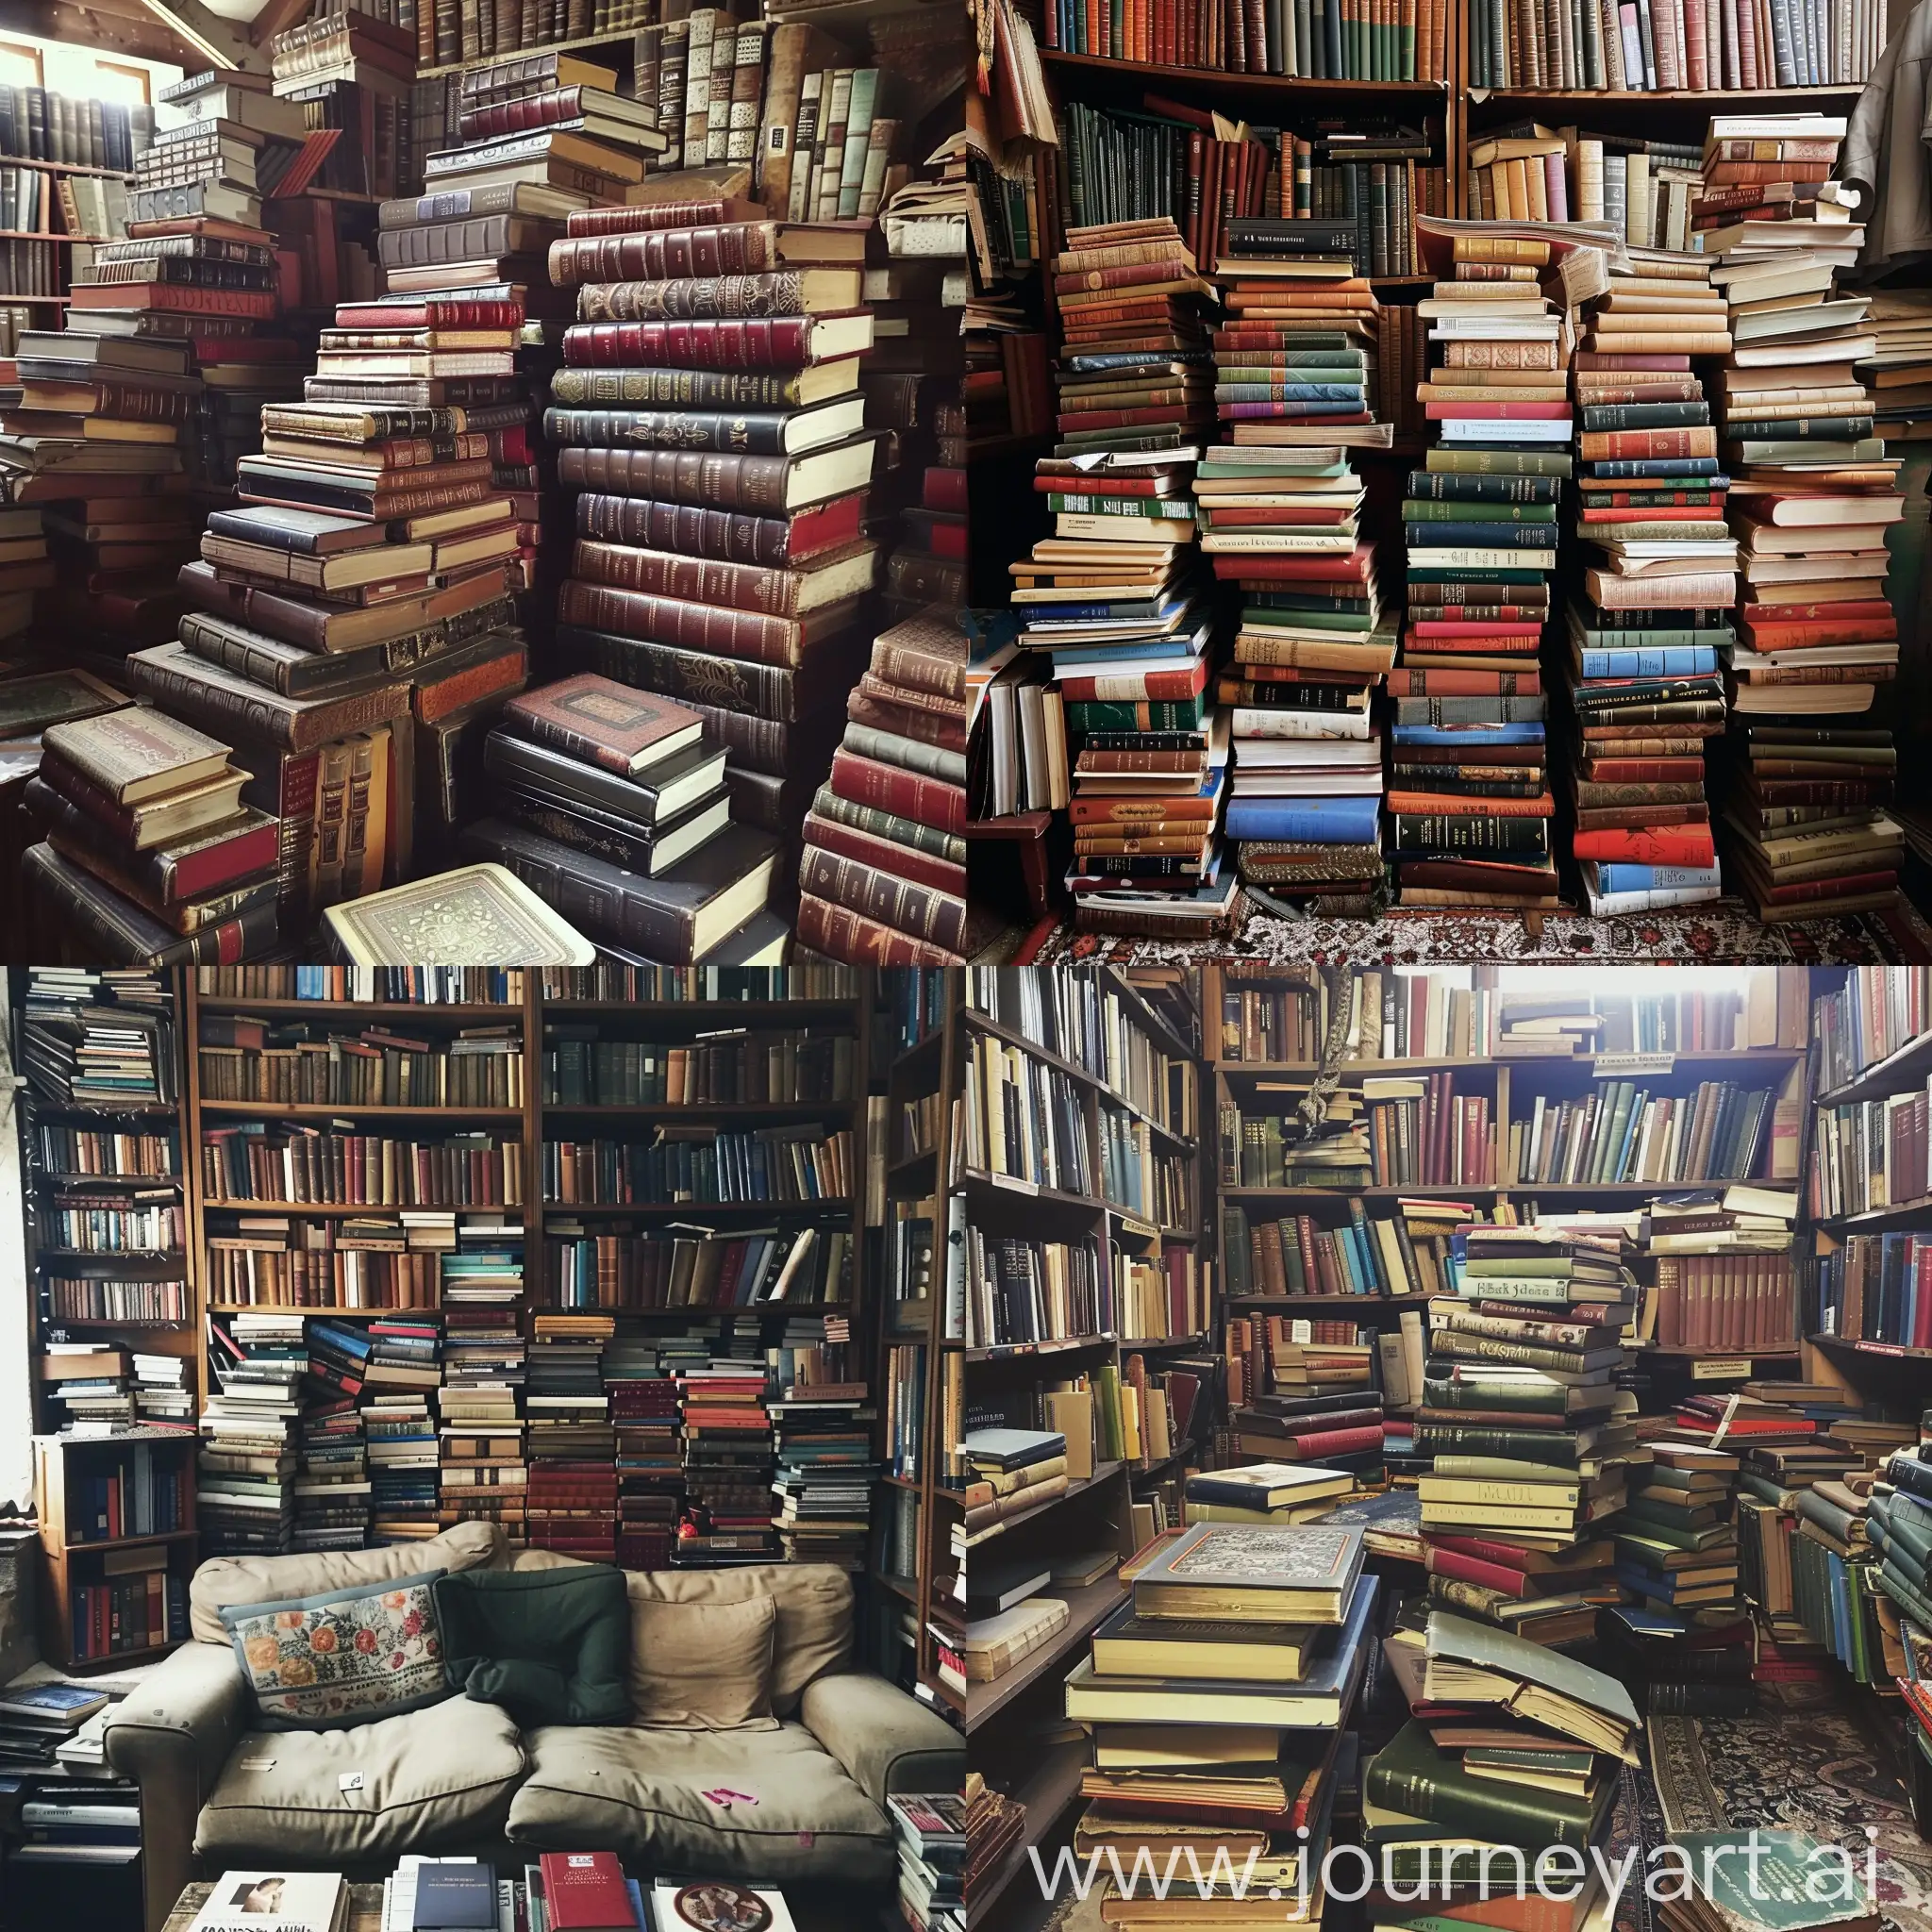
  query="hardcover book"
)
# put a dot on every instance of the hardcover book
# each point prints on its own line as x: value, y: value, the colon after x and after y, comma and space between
x: 478, y: 915
x: 137, y: 753
x: 626, y: 731
x: 1306, y: 1573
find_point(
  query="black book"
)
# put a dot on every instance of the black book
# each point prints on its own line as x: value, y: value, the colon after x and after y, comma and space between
x: 638, y: 804
x: 604, y: 836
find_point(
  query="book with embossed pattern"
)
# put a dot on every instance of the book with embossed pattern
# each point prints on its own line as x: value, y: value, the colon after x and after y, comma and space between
x: 137, y: 754
x: 626, y: 731
x: 702, y: 389
x: 691, y: 530
x: 477, y: 915
x: 736, y: 248
x: 753, y: 432
x: 840, y: 933
x: 174, y: 676
x: 783, y: 292
x: 764, y: 640
x: 201, y: 863
x: 833, y: 578
x: 763, y: 484
x: 111, y: 928
x: 743, y: 341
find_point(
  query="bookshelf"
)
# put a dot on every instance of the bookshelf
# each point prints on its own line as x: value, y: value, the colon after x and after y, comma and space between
x: 1121, y: 1062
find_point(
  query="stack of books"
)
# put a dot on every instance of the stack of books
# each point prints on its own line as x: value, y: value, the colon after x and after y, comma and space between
x: 333, y: 1490
x: 612, y: 802
x: 822, y: 1437
x: 1283, y: 1420
x: 244, y: 1489
x: 720, y: 558
x: 1659, y: 583
x: 1899, y: 1528
x: 1899, y: 374
x: 572, y: 1503
x: 1529, y: 1430
x: 1675, y: 1665
x: 1812, y: 501
x: 1279, y: 511
x: 931, y: 1826
x: 885, y: 882
x: 1220, y: 1700
x: 728, y: 1448
x: 1473, y: 826
x: 484, y: 1472
x: 149, y: 849
x: 1677, y: 1541
x: 1724, y: 1271
x: 1510, y: 1748
x: 650, y: 1475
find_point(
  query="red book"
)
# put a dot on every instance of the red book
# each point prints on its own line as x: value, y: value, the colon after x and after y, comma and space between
x: 931, y: 801
x: 1497, y: 412
x: 1268, y: 515
x: 1643, y: 770
x: 1671, y: 845
x: 1331, y: 1443
x: 1418, y: 682
x: 433, y: 311
x: 1502, y: 646
x: 1470, y: 627
x: 584, y: 1891
x: 1600, y: 358
x: 1155, y: 683
x: 1795, y: 636
x: 1813, y: 613
x: 1687, y: 513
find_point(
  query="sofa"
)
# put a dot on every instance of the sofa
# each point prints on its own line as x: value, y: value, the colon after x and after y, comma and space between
x: 797, y: 1798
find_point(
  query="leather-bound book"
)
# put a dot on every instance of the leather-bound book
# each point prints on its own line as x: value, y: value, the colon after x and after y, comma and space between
x: 291, y: 669
x: 672, y: 920
x: 790, y: 292
x: 906, y: 904
x: 833, y: 578
x: 662, y: 794
x: 691, y: 530
x: 707, y: 628
x: 136, y: 754
x: 704, y: 388
x: 931, y: 801
x: 741, y: 341
x: 840, y: 933
x: 696, y: 678
x: 174, y: 676
x: 483, y: 668
x: 649, y: 851
x: 317, y: 627
x: 763, y: 484
x: 753, y: 432
x: 886, y: 855
x: 113, y: 930
x: 201, y: 863
x: 477, y: 915
x: 620, y: 730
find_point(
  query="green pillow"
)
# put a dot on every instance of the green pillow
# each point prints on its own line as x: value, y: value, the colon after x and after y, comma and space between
x: 550, y: 1646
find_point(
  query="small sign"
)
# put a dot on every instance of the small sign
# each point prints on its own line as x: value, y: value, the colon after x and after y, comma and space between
x: 1726, y: 1368
x: 1302, y: 1330
x: 1013, y: 1181
x: 1618, y: 1066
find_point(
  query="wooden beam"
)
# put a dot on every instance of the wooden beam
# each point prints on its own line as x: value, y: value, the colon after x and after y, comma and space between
x: 103, y: 26
x: 217, y: 42
x: 275, y: 18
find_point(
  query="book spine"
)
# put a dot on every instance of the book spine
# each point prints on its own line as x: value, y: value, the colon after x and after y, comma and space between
x: 730, y: 248
x: 709, y: 299
x: 682, y: 429
x: 758, y: 690
x: 738, y: 634
x: 841, y: 933
x: 738, y: 342
x: 689, y: 579
x: 674, y: 388
x: 937, y: 918
x: 748, y: 483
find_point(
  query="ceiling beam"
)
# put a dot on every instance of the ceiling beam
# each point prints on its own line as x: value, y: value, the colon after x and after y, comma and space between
x: 115, y: 27
x: 275, y: 17
x: 217, y: 42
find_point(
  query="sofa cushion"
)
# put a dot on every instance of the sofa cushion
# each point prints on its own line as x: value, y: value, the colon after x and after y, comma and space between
x: 763, y: 1806
x: 549, y: 1645
x: 702, y: 1666
x: 223, y: 1580
x: 814, y: 1607
x: 430, y: 1779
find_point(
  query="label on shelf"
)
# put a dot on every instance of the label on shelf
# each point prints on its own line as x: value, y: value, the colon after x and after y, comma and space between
x: 1725, y: 1368
x: 1617, y: 1066
x: 1013, y: 1181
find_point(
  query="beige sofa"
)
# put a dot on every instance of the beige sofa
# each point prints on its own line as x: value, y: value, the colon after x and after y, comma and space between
x: 798, y: 1799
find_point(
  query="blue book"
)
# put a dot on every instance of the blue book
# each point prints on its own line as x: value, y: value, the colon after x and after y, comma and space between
x: 1348, y: 394
x: 455, y: 1898
x: 1472, y: 735
x: 52, y: 1706
x: 1666, y: 660
x: 1306, y: 820
x: 1617, y: 878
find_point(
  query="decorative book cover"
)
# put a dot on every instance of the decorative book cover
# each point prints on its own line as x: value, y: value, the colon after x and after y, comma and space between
x: 477, y: 915
x: 610, y: 725
x: 1239, y: 1557
x: 138, y: 753
x: 289, y: 1902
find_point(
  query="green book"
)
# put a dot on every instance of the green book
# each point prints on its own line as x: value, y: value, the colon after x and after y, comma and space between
x: 1411, y: 1776
x: 1775, y: 1891
x: 1436, y: 510
x: 1234, y: 1242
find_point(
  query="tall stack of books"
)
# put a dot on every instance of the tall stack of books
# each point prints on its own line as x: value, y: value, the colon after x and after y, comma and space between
x: 572, y: 1502
x: 1474, y: 827
x: 877, y: 884
x: 821, y: 1435
x: 1220, y: 1700
x: 650, y: 1473
x: 1659, y: 582
x: 613, y: 802
x: 333, y: 1490
x: 244, y: 1489
x: 483, y: 1473
x: 1812, y: 499
x: 1480, y: 1698
x: 1528, y: 1431
x: 1678, y: 1539
x: 932, y: 1858
x: 720, y: 558
x: 727, y: 1457
x: 351, y: 72
x: 1279, y: 511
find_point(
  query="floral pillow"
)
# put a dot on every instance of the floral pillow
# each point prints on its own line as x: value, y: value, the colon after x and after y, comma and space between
x: 348, y: 1657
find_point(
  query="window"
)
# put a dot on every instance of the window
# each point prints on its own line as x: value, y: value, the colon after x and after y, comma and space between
x: 126, y: 86
x: 19, y: 66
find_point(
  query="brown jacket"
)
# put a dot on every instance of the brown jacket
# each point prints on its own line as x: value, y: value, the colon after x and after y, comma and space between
x: 1886, y: 152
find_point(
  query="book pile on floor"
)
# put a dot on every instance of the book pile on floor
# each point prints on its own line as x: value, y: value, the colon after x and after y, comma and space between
x: 1113, y: 596
x: 1219, y: 1701
x: 572, y: 1446
x: 882, y: 875
x: 1529, y: 1432
x: 1813, y: 497
x: 720, y: 556
x: 1899, y: 1526
x: 244, y: 1489
x: 613, y: 802
x: 823, y: 1439
x: 1473, y: 826
x: 1678, y: 1539
x: 333, y: 1490
x: 650, y: 1475
x: 1509, y: 1746
x: 727, y: 1456
x: 931, y: 1827
x: 1279, y: 508
x: 1659, y: 583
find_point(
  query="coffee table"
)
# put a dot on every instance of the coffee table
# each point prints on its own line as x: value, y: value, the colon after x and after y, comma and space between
x: 365, y: 1908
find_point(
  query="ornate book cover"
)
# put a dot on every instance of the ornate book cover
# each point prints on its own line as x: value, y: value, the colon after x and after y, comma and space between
x: 477, y: 915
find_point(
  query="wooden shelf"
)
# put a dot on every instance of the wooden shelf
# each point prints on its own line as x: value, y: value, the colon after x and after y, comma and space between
x: 104, y: 1322
x: 1705, y: 97
x: 1783, y: 1351
x: 1162, y: 74
x: 111, y: 1180
x: 147, y: 1110
x: 373, y: 1009
x: 1286, y: 1302
x: 352, y: 1207
x: 759, y: 1012
x: 324, y: 1110
x: 136, y: 1543
x: 833, y: 1204
x: 621, y: 38
x: 804, y: 1111
x: 61, y: 168
x: 1103, y: 1472
x: 1149, y: 1344
x: 1087, y: 1606
x: 1036, y: 1350
x: 316, y: 1309
x: 1396, y: 1070
x: 1882, y: 1351
x: 1919, y: 1210
x: 1046, y: 1795
x: 1907, y: 1065
x: 907, y: 1587
x: 118, y: 1257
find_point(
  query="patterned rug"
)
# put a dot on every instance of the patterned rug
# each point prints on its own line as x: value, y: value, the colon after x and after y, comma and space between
x: 1721, y: 934
x: 1817, y: 1769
